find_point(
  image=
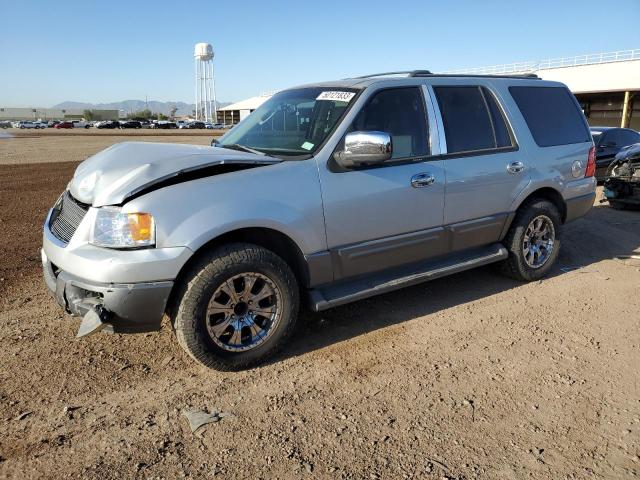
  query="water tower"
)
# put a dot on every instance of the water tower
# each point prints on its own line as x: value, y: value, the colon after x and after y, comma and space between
x: 205, y: 84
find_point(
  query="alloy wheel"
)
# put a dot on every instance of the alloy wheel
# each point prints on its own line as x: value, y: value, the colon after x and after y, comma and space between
x: 244, y: 311
x: 538, y: 242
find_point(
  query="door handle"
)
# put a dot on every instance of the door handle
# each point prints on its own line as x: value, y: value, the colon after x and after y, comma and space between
x: 515, y: 167
x: 422, y: 180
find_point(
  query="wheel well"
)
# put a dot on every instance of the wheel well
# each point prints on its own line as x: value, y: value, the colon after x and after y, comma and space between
x: 551, y: 195
x: 273, y: 240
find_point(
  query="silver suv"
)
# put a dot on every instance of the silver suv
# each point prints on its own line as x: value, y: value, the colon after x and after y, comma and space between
x: 330, y: 192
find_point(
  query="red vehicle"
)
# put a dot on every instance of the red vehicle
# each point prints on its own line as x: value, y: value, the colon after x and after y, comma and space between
x: 64, y: 125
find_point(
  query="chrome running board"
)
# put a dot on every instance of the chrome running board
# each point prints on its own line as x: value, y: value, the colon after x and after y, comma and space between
x: 331, y: 296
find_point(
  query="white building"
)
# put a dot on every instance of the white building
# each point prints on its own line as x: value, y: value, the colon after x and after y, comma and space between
x: 607, y: 85
x: 236, y: 112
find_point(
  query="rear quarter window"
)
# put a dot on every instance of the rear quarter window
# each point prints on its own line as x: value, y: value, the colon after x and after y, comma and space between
x: 552, y: 115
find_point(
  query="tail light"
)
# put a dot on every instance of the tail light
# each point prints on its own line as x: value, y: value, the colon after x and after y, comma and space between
x: 590, y: 171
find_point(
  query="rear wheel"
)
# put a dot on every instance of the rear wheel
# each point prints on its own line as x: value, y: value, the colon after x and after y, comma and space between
x: 236, y: 307
x: 532, y: 241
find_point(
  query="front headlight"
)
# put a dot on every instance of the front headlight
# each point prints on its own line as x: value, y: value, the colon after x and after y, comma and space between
x: 114, y: 229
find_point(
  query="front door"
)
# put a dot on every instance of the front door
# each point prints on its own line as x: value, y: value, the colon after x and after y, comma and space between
x: 375, y: 218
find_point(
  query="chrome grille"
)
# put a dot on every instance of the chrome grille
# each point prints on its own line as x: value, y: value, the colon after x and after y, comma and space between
x: 66, y: 217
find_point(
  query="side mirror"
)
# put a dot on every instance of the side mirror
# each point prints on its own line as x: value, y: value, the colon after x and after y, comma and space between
x: 365, y: 148
x: 214, y: 141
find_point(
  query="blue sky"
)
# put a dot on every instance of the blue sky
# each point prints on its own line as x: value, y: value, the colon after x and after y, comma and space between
x: 90, y: 51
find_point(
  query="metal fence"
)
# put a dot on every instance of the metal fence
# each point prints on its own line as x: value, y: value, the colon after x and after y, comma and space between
x: 534, y: 66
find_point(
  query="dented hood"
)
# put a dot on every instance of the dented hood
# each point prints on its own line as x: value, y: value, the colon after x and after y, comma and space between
x: 126, y: 169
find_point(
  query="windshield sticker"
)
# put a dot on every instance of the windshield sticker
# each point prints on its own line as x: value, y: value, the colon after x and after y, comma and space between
x: 307, y: 145
x: 336, y: 96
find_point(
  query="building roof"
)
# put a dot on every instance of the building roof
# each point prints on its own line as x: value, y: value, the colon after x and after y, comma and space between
x: 598, y: 72
x: 248, y: 104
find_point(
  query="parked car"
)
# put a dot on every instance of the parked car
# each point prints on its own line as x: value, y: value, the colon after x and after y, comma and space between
x: 130, y: 124
x: 52, y: 123
x: 5, y: 124
x: 64, y: 125
x: 110, y: 124
x: 40, y: 124
x: 195, y: 124
x: 182, y: 123
x: 80, y: 124
x: 334, y: 191
x: 622, y: 184
x: 29, y: 124
x: 609, y: 141
x: 163, y: 124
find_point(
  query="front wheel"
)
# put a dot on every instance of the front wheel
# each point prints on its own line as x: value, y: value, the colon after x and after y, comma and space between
x: 236, y: 307
x: 532, y: 241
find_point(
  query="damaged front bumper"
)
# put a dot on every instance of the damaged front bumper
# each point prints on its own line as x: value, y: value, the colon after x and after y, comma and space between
x: 122, y: 291
x: 120, y: 308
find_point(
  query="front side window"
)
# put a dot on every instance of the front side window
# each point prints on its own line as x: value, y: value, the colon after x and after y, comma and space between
x: 472, y: 119
x: 293, y: 122
x: 400, y: 113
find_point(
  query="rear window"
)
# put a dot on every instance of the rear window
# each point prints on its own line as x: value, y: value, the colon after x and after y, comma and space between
x: 472, y: 119
x: 552, y: 114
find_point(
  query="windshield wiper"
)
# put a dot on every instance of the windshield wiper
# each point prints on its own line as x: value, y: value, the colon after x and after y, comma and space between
x: 242, y: 148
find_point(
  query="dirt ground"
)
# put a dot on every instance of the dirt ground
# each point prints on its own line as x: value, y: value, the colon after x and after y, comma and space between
x: 470, y: 376
x: 18, y: 147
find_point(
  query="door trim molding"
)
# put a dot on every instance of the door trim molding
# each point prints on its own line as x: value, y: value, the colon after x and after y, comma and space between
x: 372, y: 256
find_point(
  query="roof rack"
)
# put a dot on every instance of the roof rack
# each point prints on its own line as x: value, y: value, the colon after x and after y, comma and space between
x: 427, y: 73
x: 529, y: 76
x: 408, y: 73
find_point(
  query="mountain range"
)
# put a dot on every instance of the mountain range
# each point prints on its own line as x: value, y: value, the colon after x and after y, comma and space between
x: 129, y: 106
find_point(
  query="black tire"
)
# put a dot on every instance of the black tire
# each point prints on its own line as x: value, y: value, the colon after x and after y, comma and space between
x: 205, y: 276
x: 516, y: 266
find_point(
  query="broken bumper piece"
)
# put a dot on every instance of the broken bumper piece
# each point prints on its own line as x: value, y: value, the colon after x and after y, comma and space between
x: 118, y: 308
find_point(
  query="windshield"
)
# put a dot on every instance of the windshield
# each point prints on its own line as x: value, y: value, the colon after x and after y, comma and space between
x: 293, y: 122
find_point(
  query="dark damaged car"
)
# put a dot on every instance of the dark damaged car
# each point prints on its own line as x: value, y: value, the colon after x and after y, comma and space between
x: 622, y: 184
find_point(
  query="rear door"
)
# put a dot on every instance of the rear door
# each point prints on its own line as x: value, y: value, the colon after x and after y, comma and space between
x: 379, y: 217
x: 485, y: 168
